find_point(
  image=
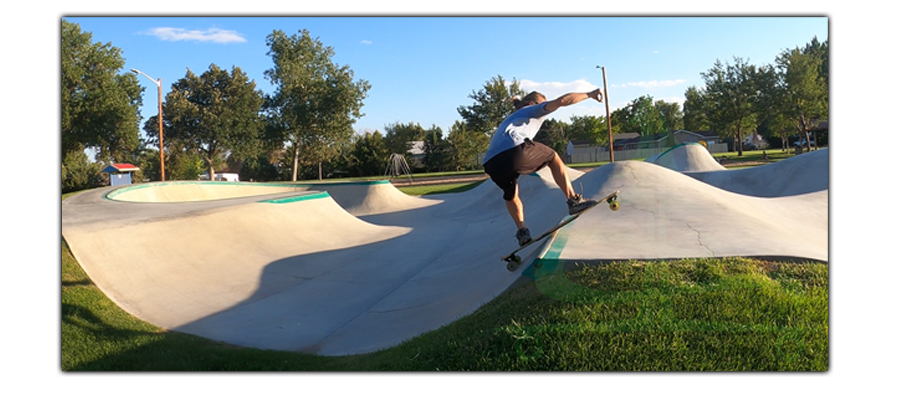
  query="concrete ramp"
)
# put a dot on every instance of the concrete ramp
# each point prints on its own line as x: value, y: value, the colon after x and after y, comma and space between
x: 687, y: 157
x: 366, y: 197
x: 806, y: 173
x: 665, y: 214
x: 337, y: 269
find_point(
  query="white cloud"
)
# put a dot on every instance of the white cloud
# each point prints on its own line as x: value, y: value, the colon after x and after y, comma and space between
x: 555, y: 89
x: 210, y: 35
x: 653, y: 84
x: 366, y: 42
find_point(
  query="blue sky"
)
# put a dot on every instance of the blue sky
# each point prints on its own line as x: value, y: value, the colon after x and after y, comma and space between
x: 422, y: 68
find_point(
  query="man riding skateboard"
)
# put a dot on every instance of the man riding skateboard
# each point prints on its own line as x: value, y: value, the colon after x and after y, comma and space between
x: 512, y: 152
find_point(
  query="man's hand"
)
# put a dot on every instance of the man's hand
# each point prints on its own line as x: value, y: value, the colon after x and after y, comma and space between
x: 596, y: 94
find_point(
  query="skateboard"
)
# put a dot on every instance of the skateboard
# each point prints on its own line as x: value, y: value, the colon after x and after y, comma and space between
x: 513, y: 260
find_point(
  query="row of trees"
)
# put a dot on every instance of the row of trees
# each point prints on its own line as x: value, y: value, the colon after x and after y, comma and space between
x: 780, y: 100
x: 218, y: 119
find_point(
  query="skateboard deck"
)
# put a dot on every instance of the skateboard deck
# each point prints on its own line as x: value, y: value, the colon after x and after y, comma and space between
x: 513, y: 260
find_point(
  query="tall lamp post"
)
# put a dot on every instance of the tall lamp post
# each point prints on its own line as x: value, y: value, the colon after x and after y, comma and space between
x: 162, y: 160
x: 608, y: 121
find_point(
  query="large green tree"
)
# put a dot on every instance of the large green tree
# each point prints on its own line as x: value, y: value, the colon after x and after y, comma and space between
x: 556, y: 134
x: 732, y: 95
x: 467, y: 145
x: 492, y: 105
x: 99, y: 105
x: 774, y: 122
x: 671, y: 115
x: 589, y: 127
x: 215, y: 115
x: 695, y: 110
x: 641, y: 115
x: 804, y: 85
x: 439, y: 154
x: 316, y: 101
x: 368, y: 155
x: 398, y: 136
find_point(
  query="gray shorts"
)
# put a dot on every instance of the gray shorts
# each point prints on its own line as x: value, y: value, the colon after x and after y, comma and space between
x: 526, y: 158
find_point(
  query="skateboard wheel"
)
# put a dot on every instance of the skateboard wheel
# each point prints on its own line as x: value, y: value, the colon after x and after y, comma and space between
x: 614, y: 206
x: 513, y: 263
x: 538, y: 263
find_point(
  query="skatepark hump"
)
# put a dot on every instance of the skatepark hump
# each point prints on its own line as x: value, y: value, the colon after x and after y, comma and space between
x: 687, y: 157
x: 347, y: 268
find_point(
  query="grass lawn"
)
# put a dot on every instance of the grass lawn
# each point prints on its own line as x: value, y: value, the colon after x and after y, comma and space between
x: 730, y: 314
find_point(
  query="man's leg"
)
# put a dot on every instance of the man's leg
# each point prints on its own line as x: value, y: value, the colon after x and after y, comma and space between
x: 558, y: 168
x: 576, y: 202
x: 516, y: 210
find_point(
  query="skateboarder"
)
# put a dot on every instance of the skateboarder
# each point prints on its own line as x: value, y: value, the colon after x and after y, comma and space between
x: 512, y: 152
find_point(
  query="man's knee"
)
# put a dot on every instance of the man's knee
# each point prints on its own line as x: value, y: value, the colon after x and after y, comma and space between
x: 509, y: 193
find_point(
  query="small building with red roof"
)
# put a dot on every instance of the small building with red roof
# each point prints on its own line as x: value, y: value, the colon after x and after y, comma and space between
x: 120, y: 174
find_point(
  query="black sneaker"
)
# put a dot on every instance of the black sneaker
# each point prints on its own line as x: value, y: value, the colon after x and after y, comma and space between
x: 524, y: 236
x: 579, y: 203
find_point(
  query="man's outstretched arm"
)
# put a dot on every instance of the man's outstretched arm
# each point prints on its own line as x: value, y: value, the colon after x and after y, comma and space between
x: 572, y: 98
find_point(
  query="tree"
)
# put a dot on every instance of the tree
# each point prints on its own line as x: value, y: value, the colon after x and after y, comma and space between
x: 819, y: 50
x: 589, y: 127
x: 398, y: 137
x: 556, y: 135
x: 773, y: 122
x: 671, y: 115
x: 99, y: 106
x: 467, y: 145
x: 731, y: 95
x: 368, y: 155
x: 438, y: 151
x: 804, y: 86
x: 640, y: 116
x: 694, y: 116
x: 492, y: 105
x: 215, y: 115
x: 79, y: 173
x: 316, y: 102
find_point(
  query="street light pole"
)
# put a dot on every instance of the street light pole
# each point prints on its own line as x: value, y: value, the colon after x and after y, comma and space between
x: 608, y: 121
x: 162, y: 160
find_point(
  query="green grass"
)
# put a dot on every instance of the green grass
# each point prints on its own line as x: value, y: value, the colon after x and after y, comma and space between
x: 755, y: 157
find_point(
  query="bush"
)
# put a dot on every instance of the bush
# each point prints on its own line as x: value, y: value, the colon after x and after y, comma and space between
x: 79, y: 173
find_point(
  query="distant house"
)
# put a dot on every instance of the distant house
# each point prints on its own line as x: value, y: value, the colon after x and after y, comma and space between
x: 820, y: 132
x: 576, y: 146
x: 417, y: 151
x: 634, y: 141
x: 686, y: 136
x: 120, y: 174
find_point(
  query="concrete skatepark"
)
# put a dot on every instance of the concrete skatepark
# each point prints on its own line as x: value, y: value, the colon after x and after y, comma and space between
x: 347, y: 268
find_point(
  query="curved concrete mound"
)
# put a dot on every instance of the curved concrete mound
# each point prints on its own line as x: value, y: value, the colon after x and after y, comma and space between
x: 687, y: 157
x: 797, y: 175
x: 337, y: 269
x: 665, y: 214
